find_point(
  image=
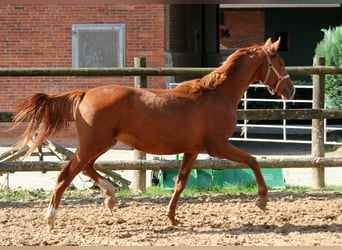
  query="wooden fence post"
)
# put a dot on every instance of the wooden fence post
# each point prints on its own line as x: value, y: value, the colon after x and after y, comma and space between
x: 139, y: 176
x: 317, y: 147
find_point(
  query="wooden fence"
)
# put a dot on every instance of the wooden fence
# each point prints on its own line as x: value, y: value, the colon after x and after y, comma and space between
x: 259, y: 114
x: 317, y: 114
x: 281, y: 162
x: 147, y: 71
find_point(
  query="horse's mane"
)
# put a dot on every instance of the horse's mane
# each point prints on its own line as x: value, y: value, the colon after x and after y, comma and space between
x: 219, y: 75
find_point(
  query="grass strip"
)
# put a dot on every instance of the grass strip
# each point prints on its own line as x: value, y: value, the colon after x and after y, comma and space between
x: 40, y: 194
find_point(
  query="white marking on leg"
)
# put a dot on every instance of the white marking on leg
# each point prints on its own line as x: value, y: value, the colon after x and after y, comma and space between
x: 109, y: 191
x: 50, y: 216
x: 51, y: 212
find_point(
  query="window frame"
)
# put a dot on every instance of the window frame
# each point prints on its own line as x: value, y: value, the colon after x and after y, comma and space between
x: 120, y: 27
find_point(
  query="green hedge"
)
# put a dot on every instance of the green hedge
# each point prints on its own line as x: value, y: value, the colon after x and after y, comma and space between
x: 331, y: 48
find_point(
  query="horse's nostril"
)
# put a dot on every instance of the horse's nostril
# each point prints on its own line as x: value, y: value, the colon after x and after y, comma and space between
x: 289, y: 92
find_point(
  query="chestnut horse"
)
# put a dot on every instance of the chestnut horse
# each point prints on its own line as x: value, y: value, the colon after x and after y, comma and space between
x: 196, y: 116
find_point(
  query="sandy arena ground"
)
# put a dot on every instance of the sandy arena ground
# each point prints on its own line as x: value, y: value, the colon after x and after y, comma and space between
x: 291, y: 219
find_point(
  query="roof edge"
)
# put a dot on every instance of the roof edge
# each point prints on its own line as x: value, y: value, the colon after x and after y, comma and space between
x: 264, y: 6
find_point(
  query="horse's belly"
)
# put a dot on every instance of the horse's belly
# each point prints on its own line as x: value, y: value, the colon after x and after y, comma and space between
x: 160, y: 145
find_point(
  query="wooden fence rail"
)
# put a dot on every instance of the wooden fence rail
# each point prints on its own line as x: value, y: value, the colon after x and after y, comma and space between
x: 148, y: 71
x: 259, y: 114
x: 282, y: 162
x: 266, y: 114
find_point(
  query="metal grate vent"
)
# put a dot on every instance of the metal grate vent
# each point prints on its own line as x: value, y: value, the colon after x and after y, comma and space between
x: 98, y: 46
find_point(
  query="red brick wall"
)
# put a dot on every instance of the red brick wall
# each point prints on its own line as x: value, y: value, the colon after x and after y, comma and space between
x: 39, y: 35
x: 246, y: 28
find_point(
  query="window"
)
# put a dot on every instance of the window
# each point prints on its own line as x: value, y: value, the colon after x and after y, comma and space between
x: 98, y: 45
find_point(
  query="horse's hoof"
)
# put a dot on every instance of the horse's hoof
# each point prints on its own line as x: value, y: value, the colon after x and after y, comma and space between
x: 110, y: 203
x: 50, y: 223
x: 261, y: 204
x: 50, y: 227
x: 172, y: 221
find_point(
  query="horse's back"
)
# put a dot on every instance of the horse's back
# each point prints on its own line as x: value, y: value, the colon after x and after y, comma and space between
x: 149, y: 120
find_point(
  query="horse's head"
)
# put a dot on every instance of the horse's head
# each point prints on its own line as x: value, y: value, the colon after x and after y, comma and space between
x: 276, y: 77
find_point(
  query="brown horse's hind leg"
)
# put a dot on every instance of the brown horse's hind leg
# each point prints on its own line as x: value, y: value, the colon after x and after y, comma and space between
x: 89, y: 149
x: 65, y: 177
x: 107, y: 188
x: 228, y: 151
x: 182, y: 179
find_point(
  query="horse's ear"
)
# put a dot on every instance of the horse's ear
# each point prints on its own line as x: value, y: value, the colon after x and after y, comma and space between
x: 275, y: 45
x: 271, y: 47
x: 268, y: 44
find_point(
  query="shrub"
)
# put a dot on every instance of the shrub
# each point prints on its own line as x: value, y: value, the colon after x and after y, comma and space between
x: 331, y: 48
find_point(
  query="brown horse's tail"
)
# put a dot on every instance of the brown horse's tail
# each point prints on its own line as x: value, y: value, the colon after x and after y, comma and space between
x: 45, y: 114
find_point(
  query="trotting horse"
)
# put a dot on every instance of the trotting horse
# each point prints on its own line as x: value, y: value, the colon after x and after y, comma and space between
x: 196, y: 116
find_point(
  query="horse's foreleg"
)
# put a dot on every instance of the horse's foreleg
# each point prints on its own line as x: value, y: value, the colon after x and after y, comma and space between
x: 65, y: 177
x: 228, y: 151
x: 107, y: 188
x: 182, y: 179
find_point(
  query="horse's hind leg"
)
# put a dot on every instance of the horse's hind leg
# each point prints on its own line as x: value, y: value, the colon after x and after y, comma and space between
x: 224, y: 149
x: 79, y: 162
x: 107, y: 188
x: 182, y: 179
x: 65, y: 177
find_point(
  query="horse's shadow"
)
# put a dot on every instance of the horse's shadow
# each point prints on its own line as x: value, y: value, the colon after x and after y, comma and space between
x: 244, y: 229
x: 248, y: 228
x: 260, y: 229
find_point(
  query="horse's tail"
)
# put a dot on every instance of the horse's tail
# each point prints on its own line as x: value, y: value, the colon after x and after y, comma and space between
x: 45, y: 114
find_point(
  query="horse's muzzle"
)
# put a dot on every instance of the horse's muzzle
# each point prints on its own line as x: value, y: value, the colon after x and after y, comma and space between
x: 288, y: 92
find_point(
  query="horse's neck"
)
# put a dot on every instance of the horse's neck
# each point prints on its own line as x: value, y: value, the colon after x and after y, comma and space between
x: 238, y: 80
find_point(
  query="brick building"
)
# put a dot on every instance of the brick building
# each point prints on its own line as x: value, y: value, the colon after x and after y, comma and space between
x: 111, y: 35
x: 241, y: 28
x: 95, y: 35
x: 41, y: 35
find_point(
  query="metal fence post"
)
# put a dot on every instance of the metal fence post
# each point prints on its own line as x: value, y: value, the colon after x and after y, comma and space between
x: 139, y: 176
x: 317, y: 147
